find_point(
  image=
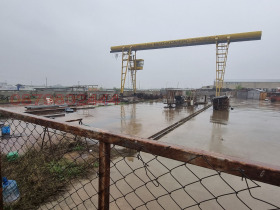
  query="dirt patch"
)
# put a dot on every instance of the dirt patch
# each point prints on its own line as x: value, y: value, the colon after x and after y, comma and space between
x: 43, y: 175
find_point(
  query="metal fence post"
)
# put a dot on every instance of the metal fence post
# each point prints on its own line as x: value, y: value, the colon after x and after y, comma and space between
x: 104, y: 175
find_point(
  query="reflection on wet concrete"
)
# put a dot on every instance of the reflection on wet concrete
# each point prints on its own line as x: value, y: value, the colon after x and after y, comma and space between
x: 129, y: 124
x: 141, y: 119
x: 219, y: 117
x: 171, y: 113
x: 249, y: 131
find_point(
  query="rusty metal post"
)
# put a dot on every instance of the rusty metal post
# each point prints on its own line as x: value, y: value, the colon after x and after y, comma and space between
x: 104, y: 175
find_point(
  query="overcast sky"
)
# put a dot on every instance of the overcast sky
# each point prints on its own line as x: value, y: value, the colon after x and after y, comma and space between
x: 69, y: 40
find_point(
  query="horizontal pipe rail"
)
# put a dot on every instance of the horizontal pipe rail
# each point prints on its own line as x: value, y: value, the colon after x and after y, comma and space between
x: 237, y: 37
x: 232, y: 165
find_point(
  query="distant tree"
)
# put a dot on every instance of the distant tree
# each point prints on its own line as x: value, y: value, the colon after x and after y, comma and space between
x: 188, y: 93
x: 238, y: 87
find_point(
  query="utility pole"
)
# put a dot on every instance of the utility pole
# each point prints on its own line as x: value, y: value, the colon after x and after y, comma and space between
x: 46, y: 82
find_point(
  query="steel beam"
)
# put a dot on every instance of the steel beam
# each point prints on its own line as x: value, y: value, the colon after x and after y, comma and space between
x: 237, y: 37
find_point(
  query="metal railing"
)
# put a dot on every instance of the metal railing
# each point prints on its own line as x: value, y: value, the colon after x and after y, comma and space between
x: 59, y: 165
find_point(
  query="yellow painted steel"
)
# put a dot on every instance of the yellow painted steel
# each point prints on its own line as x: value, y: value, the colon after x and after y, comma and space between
x: 133, y: 72
x: 237, y: 37
x: 126, y: 56
x: 221, y: 61
x: 129, y: 61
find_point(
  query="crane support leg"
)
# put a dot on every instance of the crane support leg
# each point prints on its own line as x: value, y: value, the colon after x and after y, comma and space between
x: 133, y: 80
x: 133, y: 73
x: 221, y: 60
x: 126, y: 55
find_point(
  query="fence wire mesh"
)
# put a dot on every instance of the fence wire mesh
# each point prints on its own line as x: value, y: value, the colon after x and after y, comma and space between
x: 55, y: 169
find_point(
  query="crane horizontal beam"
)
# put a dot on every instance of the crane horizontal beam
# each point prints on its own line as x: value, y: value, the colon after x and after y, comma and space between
x: 237, y: 37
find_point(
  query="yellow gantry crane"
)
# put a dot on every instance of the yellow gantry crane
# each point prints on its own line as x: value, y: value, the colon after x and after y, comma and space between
x: 129, y: 61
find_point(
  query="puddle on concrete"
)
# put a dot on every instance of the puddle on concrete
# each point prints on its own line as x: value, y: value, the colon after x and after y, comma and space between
x: 142, y: 119
x: 250, y: 130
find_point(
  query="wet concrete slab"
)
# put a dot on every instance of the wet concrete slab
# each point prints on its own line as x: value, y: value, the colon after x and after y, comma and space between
x: 141, y: 119
x: 249, y: 131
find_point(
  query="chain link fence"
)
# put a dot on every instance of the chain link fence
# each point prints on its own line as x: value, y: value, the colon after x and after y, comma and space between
x: 66, y: 166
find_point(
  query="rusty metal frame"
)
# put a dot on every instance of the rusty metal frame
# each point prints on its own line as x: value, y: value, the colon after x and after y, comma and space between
x: 257, y: 171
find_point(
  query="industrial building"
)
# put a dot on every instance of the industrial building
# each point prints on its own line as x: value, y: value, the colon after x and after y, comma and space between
x: 267, y: 85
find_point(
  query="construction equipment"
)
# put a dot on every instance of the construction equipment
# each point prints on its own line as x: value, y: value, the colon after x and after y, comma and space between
x: 222, y: 44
